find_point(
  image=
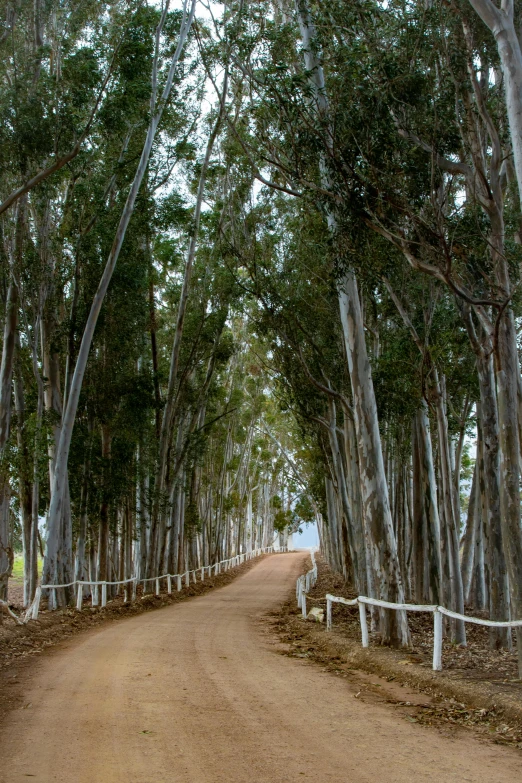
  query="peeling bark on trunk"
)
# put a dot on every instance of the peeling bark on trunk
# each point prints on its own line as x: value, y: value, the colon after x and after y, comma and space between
x: 374, y: 490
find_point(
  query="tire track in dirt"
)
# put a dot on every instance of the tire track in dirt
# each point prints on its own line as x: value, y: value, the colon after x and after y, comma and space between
x: 196, y: 693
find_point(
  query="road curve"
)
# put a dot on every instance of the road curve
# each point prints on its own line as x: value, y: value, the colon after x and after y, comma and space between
x: 195, y: 693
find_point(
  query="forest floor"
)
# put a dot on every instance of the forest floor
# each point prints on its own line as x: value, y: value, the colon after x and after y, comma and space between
x: 478, y: 688
x: 204, y: 691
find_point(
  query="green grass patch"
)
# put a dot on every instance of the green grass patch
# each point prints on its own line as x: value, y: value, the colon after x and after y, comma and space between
x: 18, y: 567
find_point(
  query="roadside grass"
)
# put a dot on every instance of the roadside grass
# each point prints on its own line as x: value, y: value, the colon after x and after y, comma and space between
x: 18, y: 568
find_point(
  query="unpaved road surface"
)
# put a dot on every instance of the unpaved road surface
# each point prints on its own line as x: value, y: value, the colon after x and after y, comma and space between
x: 197, y: 693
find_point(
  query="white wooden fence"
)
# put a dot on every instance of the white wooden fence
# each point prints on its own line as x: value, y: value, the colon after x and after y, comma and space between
x: 217, y: 568
x: 304, y: 583
x: 438, y: 611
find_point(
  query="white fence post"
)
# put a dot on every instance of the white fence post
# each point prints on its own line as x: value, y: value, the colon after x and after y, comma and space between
x: 437, y: 641
x: 364, y: 624
x: 169, y: 584
x: 178, y: 579
x: 157, y: 587
x: 328, y: 614
x: 303, y: 603
x: 134, y: 588
x: 187, y: 578
x: 104, y: 594
x: 202, y: 574
x: 79, y: 596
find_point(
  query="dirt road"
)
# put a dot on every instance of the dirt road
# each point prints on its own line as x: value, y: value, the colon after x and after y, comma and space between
x: 196, y: 693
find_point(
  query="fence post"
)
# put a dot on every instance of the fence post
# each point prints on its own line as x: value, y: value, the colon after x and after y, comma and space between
x: 364, y: 625
x: 178, y: 578
x: 303, y: 603
x: 94, y: 594
x: 299, y: 592
x: 187, y: 578
x: 104, y: 594
x: 202, y: 574
x: 328, y: 614
x: 169, y: 584
x: 79, y: 596
x: 437, y: 640
x: 134, y: 588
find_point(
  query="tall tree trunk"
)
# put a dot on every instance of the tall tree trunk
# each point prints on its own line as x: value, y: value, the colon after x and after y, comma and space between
x: 63, y: 569
x: 374, y: 490
x: 6, y: 377
x: 507, y: 389
x: 468, y: 542
x: 426, y: 522
x: 103, y: 538
x: 489, y: 483
x: 450, y: 511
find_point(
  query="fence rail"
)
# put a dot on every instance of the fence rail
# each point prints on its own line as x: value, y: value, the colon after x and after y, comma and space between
x: 438, y: 611
x: 223, y: 565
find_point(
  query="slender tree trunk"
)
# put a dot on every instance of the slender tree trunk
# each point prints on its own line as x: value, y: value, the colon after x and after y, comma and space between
x: 468, y: 543
x: 81, y: 569
x: 507, y: 390
x: 450, y: 512
x: 426, y: 523
x: 374, y: 491
x: 103, y: 539
x: 6, y: 377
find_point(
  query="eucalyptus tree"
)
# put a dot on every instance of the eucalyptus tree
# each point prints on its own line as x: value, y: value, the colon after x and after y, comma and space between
x: 159, y: 96
x: 55, y: 80
x: 352, y: 135
x: 501, y: 21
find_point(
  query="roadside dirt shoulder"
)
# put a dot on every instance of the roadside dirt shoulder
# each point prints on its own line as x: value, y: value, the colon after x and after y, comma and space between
x: 476, y: 691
